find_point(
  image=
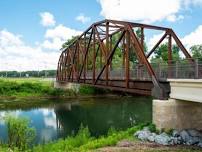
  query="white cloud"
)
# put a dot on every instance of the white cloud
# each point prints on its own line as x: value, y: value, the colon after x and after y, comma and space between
x: 194, y: 38
x: 8, y: 39
x: 83, y: 19
x: 47, y: 19
x: 57, y: 36
x: 173, y: 18
x: 153, y: 40
x: 144, y: 10
x: 16, y: 55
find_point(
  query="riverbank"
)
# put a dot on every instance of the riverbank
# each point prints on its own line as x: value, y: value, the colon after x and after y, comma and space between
x: 114, y: 141
x: 122, y: 140
x: 41, y: 88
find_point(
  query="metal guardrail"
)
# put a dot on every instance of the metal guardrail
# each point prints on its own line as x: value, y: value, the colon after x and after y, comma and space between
x: 181, y: 69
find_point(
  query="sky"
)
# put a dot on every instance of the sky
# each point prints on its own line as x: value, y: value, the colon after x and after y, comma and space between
x: 32, y: 31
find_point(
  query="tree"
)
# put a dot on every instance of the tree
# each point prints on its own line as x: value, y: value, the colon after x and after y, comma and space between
x: 161, y: 53
x: 132, y: 55
x: 69, y: 42
x: 196, y: 51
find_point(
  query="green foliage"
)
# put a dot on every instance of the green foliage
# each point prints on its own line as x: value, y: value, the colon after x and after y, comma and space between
x: 88, y: 90
x: 32, y: 88
x: 152, y: 127
x: 161, y: 54
x: 196, y: 51
x: 20, y: 135
x: 82, y: 142
x: 71, y: 143
x: 69, y: 42
x: 11, y: 88
x: 169, y: 131
x: 111, y: 131
x: 43, y: 73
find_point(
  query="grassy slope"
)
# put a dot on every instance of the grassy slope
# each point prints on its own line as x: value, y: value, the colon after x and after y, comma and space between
x: 30, y: 87
x: 83, y: 142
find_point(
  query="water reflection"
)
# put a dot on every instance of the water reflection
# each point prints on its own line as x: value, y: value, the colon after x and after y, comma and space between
x: 62, y: 119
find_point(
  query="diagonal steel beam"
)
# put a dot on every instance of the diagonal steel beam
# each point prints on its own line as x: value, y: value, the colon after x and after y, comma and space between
x: 109, y: 59
x: 74, y: 56
x: 157, y: 44
x: 103, y: 49
x: 180, y: 45
x: 87, y: 49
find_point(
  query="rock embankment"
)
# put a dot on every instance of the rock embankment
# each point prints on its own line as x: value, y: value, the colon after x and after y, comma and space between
x: 187, y: 137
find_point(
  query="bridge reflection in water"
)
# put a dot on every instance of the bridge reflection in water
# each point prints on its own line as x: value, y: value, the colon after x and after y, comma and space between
x: 101, y: 114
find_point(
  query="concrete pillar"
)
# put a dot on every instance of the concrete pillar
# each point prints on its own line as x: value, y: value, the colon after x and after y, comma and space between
x: 67, y: 85
x: 177, y: 114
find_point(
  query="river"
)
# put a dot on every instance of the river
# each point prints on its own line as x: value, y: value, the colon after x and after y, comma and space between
x: 60, y: 118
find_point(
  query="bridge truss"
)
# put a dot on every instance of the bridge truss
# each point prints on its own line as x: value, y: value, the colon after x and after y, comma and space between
x: 90, y: 59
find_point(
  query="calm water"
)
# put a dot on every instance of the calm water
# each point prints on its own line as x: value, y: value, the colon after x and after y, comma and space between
x: 59, y: 119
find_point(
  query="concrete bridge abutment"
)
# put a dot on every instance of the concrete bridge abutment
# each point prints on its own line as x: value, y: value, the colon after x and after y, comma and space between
x: 177, y: 114
x: 183, y: 110
x: 67, y: 86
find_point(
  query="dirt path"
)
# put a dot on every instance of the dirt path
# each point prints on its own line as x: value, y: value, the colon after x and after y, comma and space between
x: 138, y: 146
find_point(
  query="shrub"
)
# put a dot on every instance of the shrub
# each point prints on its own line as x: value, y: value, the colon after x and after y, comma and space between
x: 71, y: 143
x: 20, y: 135
x: 88, y: 90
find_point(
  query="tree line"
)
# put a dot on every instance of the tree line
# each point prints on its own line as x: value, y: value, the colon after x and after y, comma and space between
x: 42, y: 73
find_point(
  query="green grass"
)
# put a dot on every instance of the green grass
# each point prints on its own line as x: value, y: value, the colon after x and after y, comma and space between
x: 81, y: 142
x: 34, y: 87
x: 23, y: 88
x: 44, y: 81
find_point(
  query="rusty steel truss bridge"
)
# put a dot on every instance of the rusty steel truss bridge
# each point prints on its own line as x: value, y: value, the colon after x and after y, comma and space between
x: 92, y: 59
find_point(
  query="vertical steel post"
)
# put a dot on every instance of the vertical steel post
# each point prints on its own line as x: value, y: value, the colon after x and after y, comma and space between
x: 65, y: 65
x: 142, y: 37
x: 110, y: 48
x: 127, y: 74
x: 94, y: 55
x: 169, y: 56
x: 196, y: 69
x: 84, y: 74
x: 107, y: 52
x: 100, y: 58
x: 124, y: 55
x: 78, y: 61
x: 62, y: 68
x: 176, y: 69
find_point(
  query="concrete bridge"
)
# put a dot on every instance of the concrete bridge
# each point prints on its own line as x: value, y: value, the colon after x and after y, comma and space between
x: 91, y: 60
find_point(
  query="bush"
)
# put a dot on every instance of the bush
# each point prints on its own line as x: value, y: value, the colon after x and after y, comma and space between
x: 71, y: 143
x: 88, y: 90
x: 20, y: 135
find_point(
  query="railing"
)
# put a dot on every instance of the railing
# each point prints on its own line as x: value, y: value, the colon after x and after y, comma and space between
x: 181, y: 69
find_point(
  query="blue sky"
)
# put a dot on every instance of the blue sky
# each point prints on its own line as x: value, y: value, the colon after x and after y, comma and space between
x: 22, y: 16
x: 32, y: 31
